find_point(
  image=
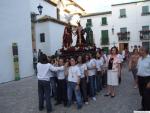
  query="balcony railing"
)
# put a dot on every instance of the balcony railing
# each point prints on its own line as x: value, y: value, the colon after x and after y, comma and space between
x: 145, y: 35
x: 145, y: 13
x: 123, y: 36
x: 104, y: 41
x: 122, y: 16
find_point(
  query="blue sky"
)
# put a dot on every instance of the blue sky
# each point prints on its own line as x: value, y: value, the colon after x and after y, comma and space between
x: 92, y: 6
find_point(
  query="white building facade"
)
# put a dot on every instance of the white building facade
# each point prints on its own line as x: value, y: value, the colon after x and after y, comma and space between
x: 101, y: 26
x: 22, y: 24
x: 15, y: 28
x: 50, y: 24
x: 128, y: 25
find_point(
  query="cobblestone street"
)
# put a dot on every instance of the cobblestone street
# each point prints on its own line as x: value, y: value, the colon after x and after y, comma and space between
x: 21, y: 97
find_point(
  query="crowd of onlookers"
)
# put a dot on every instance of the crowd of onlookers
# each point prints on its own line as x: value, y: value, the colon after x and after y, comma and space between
x: 78, y: 79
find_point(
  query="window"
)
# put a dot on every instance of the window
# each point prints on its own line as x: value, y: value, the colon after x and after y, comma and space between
x: 122, y: 13
x: 104, y: 21
x: 105, y: 38
x: 42, y: 37
x: 145, y: 10
x: 89, y: 22
x: 123, y: 30
x: 145, y: 28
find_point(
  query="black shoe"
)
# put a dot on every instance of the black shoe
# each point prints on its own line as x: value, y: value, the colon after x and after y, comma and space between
x: 68, y: 105
x: 106, y: 95
x: 41, y: 108
x: 65, y: 104
x: 79, y: 107
x: 112, y: 96
x: 49, y: 111
x: 141, y: 109
x: 57, y: 103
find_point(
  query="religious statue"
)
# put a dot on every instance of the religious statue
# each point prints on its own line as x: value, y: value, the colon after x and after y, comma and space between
x: 67, y: 36
x: 89, y: 35
x: 80, y: 35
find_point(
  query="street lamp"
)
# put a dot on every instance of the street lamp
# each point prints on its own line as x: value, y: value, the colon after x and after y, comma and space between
x: 34, y: 15
x: 40, y: 8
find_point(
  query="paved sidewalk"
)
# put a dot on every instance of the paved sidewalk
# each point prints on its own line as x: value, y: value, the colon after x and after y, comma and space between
x: 21, y: 97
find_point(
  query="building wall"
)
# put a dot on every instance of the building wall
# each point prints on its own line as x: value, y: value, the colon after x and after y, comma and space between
x: 134, y: 22
x: 43, y: 28
x: 48, y: 9
x: 15, y: 27
x: 53, y: 37
x: 97, y: 27
x: 56, y: 37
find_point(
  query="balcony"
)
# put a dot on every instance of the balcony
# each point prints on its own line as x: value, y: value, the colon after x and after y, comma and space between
x: 104, y: 41
x: 145, y: 35
x: 145, y: 13
x: 123, y: 36
x: 122, y: 16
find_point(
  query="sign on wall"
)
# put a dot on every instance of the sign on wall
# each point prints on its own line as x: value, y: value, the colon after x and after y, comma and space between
x: 16, y: 60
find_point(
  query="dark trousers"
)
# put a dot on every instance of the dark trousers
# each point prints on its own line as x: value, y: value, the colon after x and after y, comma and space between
x: 99, y: 81
x: 83, y: 86
x: 35, y: 68
x: 62, y: 91
x: 54, y: 82
x: 144, y: 92
x: 104, y: 78
x: 44, y: 93
x: 92, y: 82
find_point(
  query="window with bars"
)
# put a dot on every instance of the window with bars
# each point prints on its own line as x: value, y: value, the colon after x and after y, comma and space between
x: 42, y: 37
x: 104, y: 37
x: 122, y: 13
x: 145, y: 10
x: 104, y: 21
x: 123, y: 30
x: 145, y: 28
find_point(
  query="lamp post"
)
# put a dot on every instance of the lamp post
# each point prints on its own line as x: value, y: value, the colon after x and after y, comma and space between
x: 33, y: 21
x: 40, y: 8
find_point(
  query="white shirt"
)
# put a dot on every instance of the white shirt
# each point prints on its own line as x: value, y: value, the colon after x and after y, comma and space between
x: 104, y: 59
x: 143, y: 66
x: 44, y: 71
x: 90, y: 66
x: 120, y: 57
x: 123, y: 53
x: 73, y: 74
x: 99, y: 63
x: 60, y: 75
x: 82, y: 68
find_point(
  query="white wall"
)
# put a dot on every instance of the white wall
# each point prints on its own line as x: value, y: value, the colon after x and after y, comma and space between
x: 53, y: 37
x: 56, y: 37
x: 97, y: 27
x: 15, y: 27
x: 48, y: 9
x: 43, y: 28
x: 134, y: 21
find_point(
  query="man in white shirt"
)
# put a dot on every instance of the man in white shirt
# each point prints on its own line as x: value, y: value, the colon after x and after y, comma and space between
x: 43, y: 75
x: 104, y: 68
x: 121, y: 61
x: 74, y: 83
x: 143, y: 73
x: 61, y: 86
x: 91, y: 66
x: 99, y: 64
